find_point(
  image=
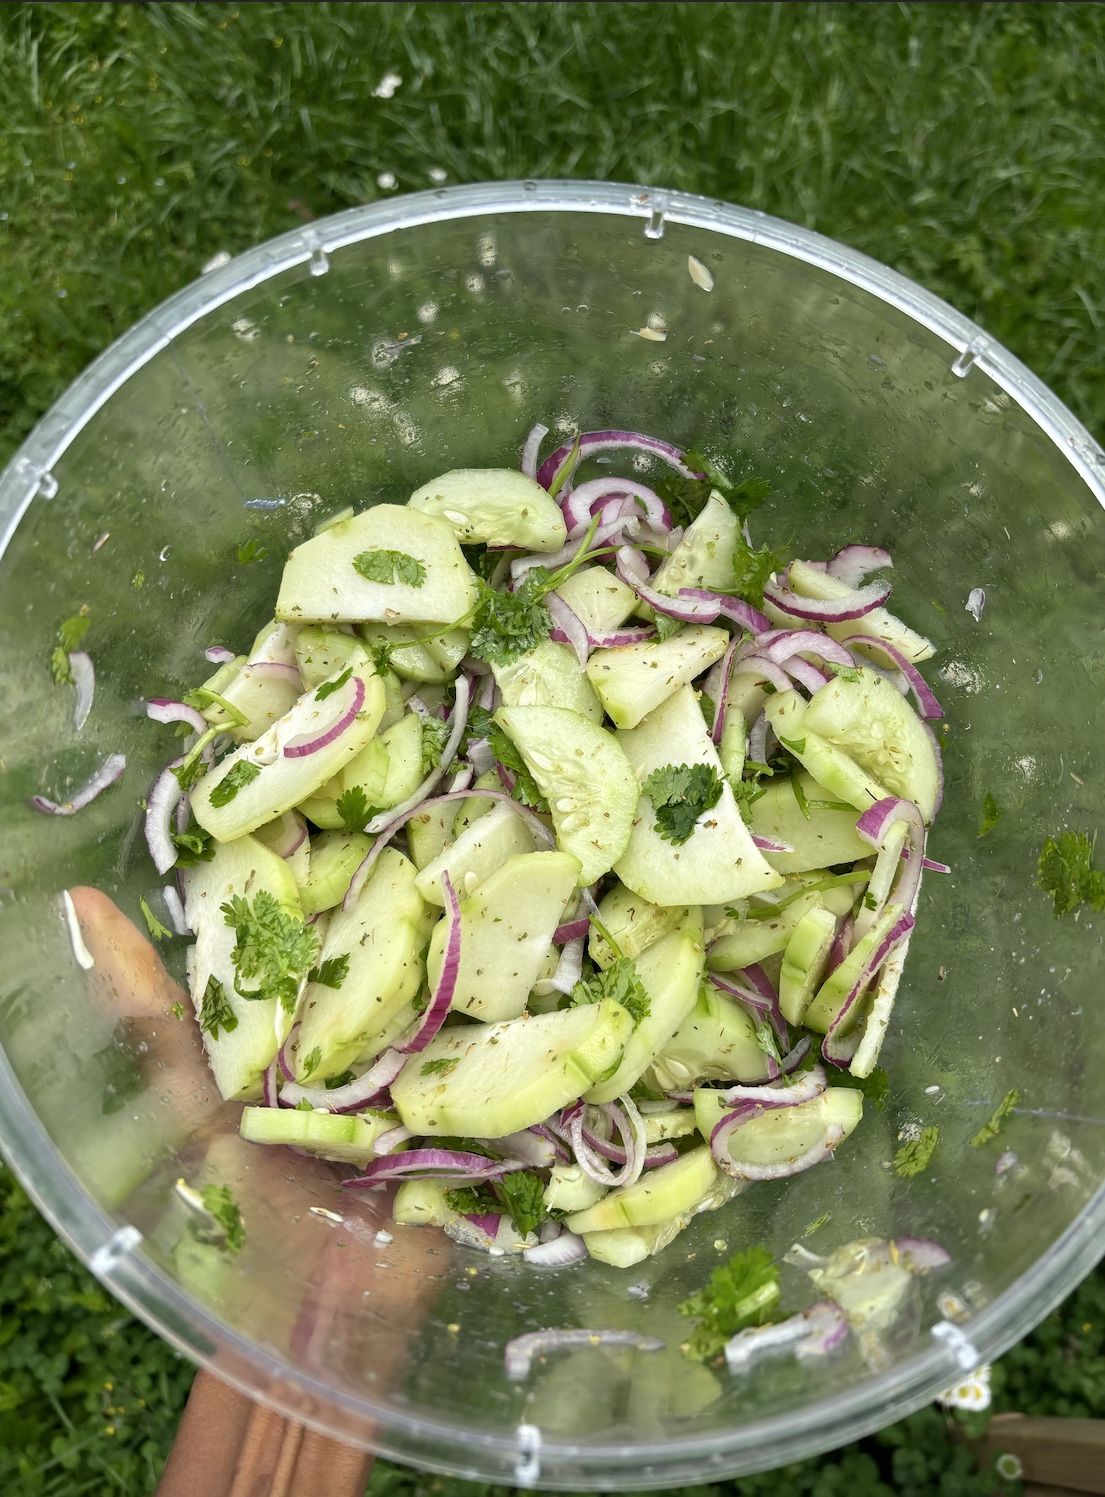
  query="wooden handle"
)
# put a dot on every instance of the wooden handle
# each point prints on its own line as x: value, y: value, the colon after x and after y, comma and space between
x: 1064, y: 1455
x: 228, y: 1446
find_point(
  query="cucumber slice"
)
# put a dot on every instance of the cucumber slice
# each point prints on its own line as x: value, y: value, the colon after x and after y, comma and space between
x: 754, y: 940
x: 810, y: 582
x: 343, y: 1137
x: 478, y: 851
x: 403, y: 741
x: 633, y: 922
x: 785, y: 1133
x: 321, y: 583
x: 382, y: 937
x: 841, y: 776
x: 429, y: 834
x: 661, y: 1127
x: 719, y: 861
x: 715, y: 1042
x: 548, y: 676
x: 704, y: 557
x: 871, y: 722
x: 283, y: 782
x: 671, y: 1190
x: 429, y: 660
x: 322, y: 652
x: 262, y: 697
x: 584, y: 775
x: 334, y: 859
x: 368, y: 770
x: 804, y: 961
x: 238, y: 1057
x: 569, y: 1189
x: 824, y: 839
x: 506, y: 927
x: 475, y: 807
x: 497, y: 506
x: 833, y: 992
x: 509, y: 1076
x: 633, y: 680
x: 733, y: 748
x: 625, y: 1246
x: 419, y: 1203
x: 600, y: 600
x: 396, y: 701
x: 670, y: 972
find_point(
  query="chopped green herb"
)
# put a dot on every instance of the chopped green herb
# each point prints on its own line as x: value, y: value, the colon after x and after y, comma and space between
x: 991, y: 815
x: 435, y: 735
x: 251, y: 551
x: 765, y: 1039
x: 332, y: 972
x: 843, y: 672
x: 219, y: 1201
x: 304, y: 1106
x: 381, y: 653
x: 815, y: 1226
x: 992, y: 1128
x: 1064, y: 872
x: 153, y: 924
x: 686, y: 497
x: 192, y: 766
x: 329, y: 687
x: 202, y: 697
x: 666, y: 626
x: 619, y: 981
x: 744, y: 1292
x: 311, y: 1063
x: 875, y: 1088
x: 196, y: 845
x: 746, y: 794
x: 506, y: 625
x: 177, y: 1010
x: 215, y: 1010
x: 343, y: 1078
x: 473, y: 1200
x: 440, y: 1067
x: 70, y: 635
x: 390, y: 567
x: 522, y: 1194
x: 800, y: 796
x: 228, y: 787
x: 680, y: 794
x: 482, y: 561
x: 566, y: 469
x: 353, y: 808
x: 138, y: 580
x: 482, y: 725
x: 272, y: 947
x: 870, y: 902
x: 913, y: 1157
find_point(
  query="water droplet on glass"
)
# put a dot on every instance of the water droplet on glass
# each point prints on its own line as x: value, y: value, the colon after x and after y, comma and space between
x: 438, y: 174
x: 121, y: 181
x: 386, y: 180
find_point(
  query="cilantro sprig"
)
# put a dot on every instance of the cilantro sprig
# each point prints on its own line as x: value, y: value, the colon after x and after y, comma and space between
x: 686, y: 498
x: 219, y: 1202
x: 481, y: 724
x: 680, y: 794
x: 332, y: 972
x: 1064, y: 871
x: 991, y: 815
x: 272, y: 949
x: 70, y: 635
x: 993, y: 1125
x: 435, y: 735
x: 240, y: 775
x: 620, y: 981
x: 915, y: 1155
x: 520, y: 1195
x: 390, y: 567
x: 158, y: 931
x: 743, y: 1292
x: 215, y: 1010
x: 353, y: 808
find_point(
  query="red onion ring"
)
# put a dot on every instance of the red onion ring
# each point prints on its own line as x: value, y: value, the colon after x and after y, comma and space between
x: 569, y: 624
x: 433, y: 1164
x: 163, y: 710
x: 921, y: 1254
x: 569, y: 969
x: 591, y: 443
x: 874, y: 826
x: 162, y: 801
x: 572, y: 930
x: 581, y: 503
x: 269, y: 1093
x: 84, y: 679
x: 108, y: 772
x: 724, y: 669
x: 437, y: 1009
x: 781, y: 645
x: 828, y: 610
x: 750, y: 619
x: 851, y: 564
x: 531, y: 448
x: 274, y: 670
x: 805, y: 674
x: 219, y: 655
x: 837, y: 1048
x: 763, y: 670
x: 304, y: 744
x: 389, y: 1140
x: 615, y: 639
x: 927, y: 705
x: 769, y: 844
x: 369, y: 1090
x: 559, y: 1252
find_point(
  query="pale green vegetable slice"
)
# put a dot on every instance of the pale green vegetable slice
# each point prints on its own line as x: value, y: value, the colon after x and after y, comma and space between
x: 584, y: 775
x: 715, y: 1042
x: 833, y: 993
x: 751, y: 940
x: 623, y: 1247
x: 598, y: 598
x: 415, y: 657
x: 634, y: 923
x: 548, y: 676
x: 775, y: 1138
x: 570, y: 1189
x: 819, y: 839
x: 670, y: 1190
x: 321, y: 652
x: 632, y: 680
x: 704, y: 555
x: 343, y: 1137
x: 499, y: 506
x: 479, y: 850
x: 403, y: 741
x: 804, y: 962
x: 333, y: 860
x: 811, y: 582
x: 840, y: 774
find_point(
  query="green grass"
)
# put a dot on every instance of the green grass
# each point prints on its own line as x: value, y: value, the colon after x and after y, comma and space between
x: 962, y: 144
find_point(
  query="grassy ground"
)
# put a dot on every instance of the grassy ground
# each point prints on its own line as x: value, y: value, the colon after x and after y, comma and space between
x: 961, y: 144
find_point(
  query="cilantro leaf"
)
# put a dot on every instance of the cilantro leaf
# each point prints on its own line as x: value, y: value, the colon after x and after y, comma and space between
x: 215, y: 1010
x: 842, y: 672
x: 875, y: 1088
x: 991, y: 815
x: 332, y: 972
x: 329, y: 687
x: 751, y: 569
x: 177, y: 1010
x: 743, y: 1292
x: 686, y: 496
x: 666, y: 626
x: 619, y: 981
x: 196, y: 845
x: 522, y: 1194
x: 746, y: 793
x: 272, y: 947
x: 680, y: 794
x: 913, y: 1157
x: 192, y: 766
x: 435, y: 735
x: 992, y: 1127
x: 353, y: 808
x: 482, y: 561
x: 343, y: 1078
x: 311, y: 1062
x: 227, y: 788
x: 70, y: 634
x: 390, y: 566
x: 506, y: 625
x: 251, y: 551
x: 440, y: 1067
x: 481, y: 724
x: 1064, y: 872
x: 473, y: 1200
x: 219, y: 1201
x: 153, y: 924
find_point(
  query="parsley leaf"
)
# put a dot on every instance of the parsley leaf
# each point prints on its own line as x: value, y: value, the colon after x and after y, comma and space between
x: 473, y: 1200
x: 272, y: 947
x: 219, y: 1201
x: 332, y: 972
x: 679, y: 795
x: 842, y: 672
x: 329, y: 687
x: 353, y: 808
x: 70, y: 635
x: 390, y: 567
x: 311, y: 1062
x: 196, y: 845
x: 751, y: 569
x: 687, y: 496
x: 1064, y: 872
x: 435, y: 735
x: 153, y: 924
x: 992, y: 1127
x: 227, y: 788
x: 913, y: 1157
x: 440, y: 1067
x: 215, y: 1010
x: 506, y: 625
x: 343, y: 1078
x: 251, y: 551
x: 522, y: 1194
x: 743, y: 1292
x: 619, y: 981
x: 991, y: 815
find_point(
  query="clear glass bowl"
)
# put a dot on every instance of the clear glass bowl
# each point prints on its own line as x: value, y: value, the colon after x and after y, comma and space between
x: 350, y: 362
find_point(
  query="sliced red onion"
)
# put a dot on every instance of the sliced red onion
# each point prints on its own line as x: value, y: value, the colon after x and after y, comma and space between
x: 921, y: 1254
x: 874, y: 827
x: 269, y: 1092
x: 84, y: 679
x: 720, y: 692
x: 769, y: 844
x: 175, y: 906
x: 437, y: 1009
x: 816, y: 1332
x: 108, y: 772
x: 551, y: 1131
x: 851, y: 564
x: 462, y: 779
x: 976, y: 602
x: 559, y: 1252
x: 591, y: 443
x: 837, y: 1047
x: 611, y: 531
x: 162, y: 710
x: 750, y: 619
x: 580, y: 504
x: 614, y: 639
x: 386, y: 819
x: 809, y: 1085
x: 161, y: 803
x: 794, y: 1058
x: 758, y: 739
x: 935, y: 867
x: 433, y: 1164
x: 282, y: 1062
x: 586, y: 1146
x: 506, y: 779
x: 569, y: 969
x: 530, y: 1146
x: 369, y: 1090
x: 828, y: 610
x: 781, y: 645
x: 927, y: 705
x: 272, y: 670
x: 573, y: 930
x: 805, y: 674
x: 391, y: 1140
x: 570, y: 625
x: 762, y: 669
x: 633, y: 570
x: 783, y: 1169
x: 81, y: 954
x: 219, y: 655
x: 532, y: 447
x: 758, y: 992
x: 842, y: 944
x: 304, y: 744
x: 520, y: 1352
x: 291, y: 836
x: 489, y: 1225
